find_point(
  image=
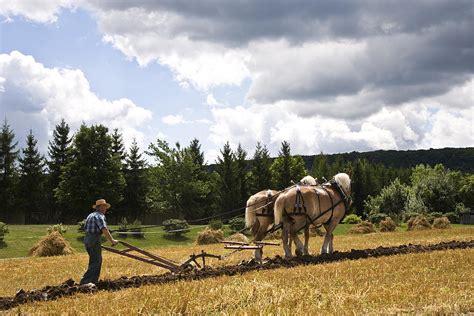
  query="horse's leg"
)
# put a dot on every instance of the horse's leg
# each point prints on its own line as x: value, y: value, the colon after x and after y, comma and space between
x: 285, y: 239
x: 259, y: 237
x: 324, y: 247
x: 298, y: 243
x: 306, y: 241
x: 330, y: 236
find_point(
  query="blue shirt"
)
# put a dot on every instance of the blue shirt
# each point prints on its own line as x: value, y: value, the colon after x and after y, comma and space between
x: 95, y: 222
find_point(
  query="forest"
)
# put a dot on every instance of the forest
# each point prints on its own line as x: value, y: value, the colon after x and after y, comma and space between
x: 92, y: 162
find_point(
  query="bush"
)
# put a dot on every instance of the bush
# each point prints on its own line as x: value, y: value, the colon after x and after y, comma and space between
x: 460, y: 208
x: 53, y: 244
x: 453, y: 217
x: 377, y: 218
x: 441, y: 222
x: 237, y: 237
x: 418, y: 223
x: 177, y: 227
x: 215, y: 224
x: 387, y: 225
x: 237, y: 224
x: 136, y: 229
x: 364, y: 227
x: 352, y: 219
x: 210, y: 236
x: 81, y: 226
x: 3, y: 231
x: 57, y: 228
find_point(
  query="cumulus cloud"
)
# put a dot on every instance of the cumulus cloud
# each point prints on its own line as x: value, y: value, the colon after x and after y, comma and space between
x: 172, y: 119
x: 34, y: 96
x: 36, y: 11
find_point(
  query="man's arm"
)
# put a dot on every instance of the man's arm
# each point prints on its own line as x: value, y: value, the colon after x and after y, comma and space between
x: 107, y: 235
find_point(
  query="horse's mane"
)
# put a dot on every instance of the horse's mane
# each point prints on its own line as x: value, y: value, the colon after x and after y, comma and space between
x: 308, y: 180
x: 344, y: 181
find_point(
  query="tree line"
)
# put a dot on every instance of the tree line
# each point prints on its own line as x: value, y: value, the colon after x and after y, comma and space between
x: 93, y: 163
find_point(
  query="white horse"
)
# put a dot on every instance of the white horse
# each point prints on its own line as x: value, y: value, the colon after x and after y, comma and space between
x: 301, y: 206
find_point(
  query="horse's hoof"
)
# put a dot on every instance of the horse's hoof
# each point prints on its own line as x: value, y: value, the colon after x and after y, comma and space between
x: 299, y: 253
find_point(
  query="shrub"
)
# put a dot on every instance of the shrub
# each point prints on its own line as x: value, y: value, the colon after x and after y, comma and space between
x: 81, y: 226
x: 460, y: 208
x: 215, y: 224
x: 177, y: 227
x: 57, y: 228
x: 210, y: 236
x: 364, y: 227
x: 237, y: 237
x: 418, y: 223
x: 3, y: 231
x: 387, y: 225
x: 377, y: 218
x: 453, y: 217
x: 441, y: 222
x: 52, y: 244
x: 237, y: 224
x: 352, y: 219
x: 136, y: 229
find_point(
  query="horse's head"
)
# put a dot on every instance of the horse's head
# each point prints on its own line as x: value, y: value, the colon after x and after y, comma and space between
x: 344, y: 182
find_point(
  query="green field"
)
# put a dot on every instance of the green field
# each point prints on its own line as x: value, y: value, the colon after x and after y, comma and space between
x: 22, y: 237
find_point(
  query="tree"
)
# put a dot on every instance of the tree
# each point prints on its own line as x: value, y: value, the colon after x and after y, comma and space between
x: 136, y: 187
x: 286, y: 168
x: 391, y: 200
x: 93, y: 173
x: 8, y: 156
x: 320, y: 167
x: 31, y: 195
x: 118, y: 148
x: 227, y: 170
x: 242, y: 175
x: 260, y: 175
x: 60, y: 155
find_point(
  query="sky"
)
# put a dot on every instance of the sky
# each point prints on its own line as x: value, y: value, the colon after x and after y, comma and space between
x: 326, y: 76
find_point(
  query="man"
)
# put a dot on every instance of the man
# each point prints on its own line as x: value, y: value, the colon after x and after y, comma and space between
x: 94, y: 227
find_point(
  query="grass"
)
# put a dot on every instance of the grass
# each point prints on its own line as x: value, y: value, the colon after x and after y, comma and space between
x: 22, y: 237
x: 437, y: 282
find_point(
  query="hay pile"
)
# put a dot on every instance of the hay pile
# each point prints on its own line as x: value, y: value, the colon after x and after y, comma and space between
x: 387, y: 225
x: 418, y: 223
x: 237, y: 237
x: 53, y: 244
x: 210, y: 236
x: 441, y: 222
x: 364, y: 227
x: 316, y: 231
x: 273, y: 236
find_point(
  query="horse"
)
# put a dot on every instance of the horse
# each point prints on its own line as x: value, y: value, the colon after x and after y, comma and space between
x: 259, y: 213
x: 301, y: 206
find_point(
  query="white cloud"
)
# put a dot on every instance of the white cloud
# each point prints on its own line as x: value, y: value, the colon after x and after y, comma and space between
x: 45, y: 11
x: 172, y: 119
x: 46, y: 95
x: 210, y: 100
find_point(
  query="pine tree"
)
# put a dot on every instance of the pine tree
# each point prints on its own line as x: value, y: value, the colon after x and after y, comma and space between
x: 226, y: 168
x: 8, y: 156
x: 260, y: 176
x: 136, y: 188
x: 31, y: 195
x: 242, y: 176
x: 287, y: 169
x: 320, y: 167
x: 93, y: 173
x: 60, y: 155
x: 118, y: 149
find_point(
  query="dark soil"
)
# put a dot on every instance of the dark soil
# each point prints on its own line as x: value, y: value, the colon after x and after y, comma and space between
x: 70, y: 287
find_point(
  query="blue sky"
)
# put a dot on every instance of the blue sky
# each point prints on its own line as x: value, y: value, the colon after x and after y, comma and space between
x: 330, y: 77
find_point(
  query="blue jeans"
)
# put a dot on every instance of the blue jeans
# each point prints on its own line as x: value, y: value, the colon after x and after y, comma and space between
x: 92, y: 243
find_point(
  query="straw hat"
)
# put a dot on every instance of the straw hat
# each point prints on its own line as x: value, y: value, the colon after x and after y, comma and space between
x: 101, y: 202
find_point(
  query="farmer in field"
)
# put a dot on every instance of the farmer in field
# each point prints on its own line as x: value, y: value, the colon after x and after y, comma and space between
x: 94, y: 227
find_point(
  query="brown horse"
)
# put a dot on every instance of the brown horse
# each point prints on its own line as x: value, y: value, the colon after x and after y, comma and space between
x: 259, y: 213
x: 301, y: 206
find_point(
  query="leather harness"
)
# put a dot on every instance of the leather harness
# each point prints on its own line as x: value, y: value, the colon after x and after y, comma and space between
x: 267, y: 210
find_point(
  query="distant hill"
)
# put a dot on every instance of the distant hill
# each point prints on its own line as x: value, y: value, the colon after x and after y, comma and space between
x: 461, y: 159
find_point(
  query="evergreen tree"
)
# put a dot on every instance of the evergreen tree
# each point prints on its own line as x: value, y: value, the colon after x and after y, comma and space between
x: 320, y: 167
x: 93, y: 173
x: 60, y: 155
x: 31, y: 195
x: 260, y: 175
x: 227, y: 170
x: 8, y: 156
x: 286, y: 168
x: 118, y: 149
x: 242, y: 175
x: 136, y: 188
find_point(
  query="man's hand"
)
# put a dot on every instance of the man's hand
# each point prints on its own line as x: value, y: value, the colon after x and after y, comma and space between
x: 114, y: 242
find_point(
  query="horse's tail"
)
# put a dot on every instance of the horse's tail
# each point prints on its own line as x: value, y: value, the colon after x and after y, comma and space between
x: 279, y: 207
x: 250, y: 212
